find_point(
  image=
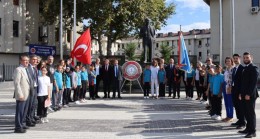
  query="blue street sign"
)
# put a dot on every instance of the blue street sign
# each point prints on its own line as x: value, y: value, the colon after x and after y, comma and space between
x: 42, y: 50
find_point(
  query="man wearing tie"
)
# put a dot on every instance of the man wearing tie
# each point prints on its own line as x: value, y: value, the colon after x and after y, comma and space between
x: 170, y: 76
x: 32, y: 99
x: 106, y: 76
x: 249, y: 94
x: 21, y: 93
x: 236, y: 86
x: 117, y: 79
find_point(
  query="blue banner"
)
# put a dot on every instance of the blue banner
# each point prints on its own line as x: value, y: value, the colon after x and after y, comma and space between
x: 42, y: 50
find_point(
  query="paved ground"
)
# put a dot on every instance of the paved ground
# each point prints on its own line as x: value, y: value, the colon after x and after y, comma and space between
x: 131, y: 117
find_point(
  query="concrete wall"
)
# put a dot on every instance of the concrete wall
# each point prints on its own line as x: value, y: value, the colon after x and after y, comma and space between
x: 9, y: 59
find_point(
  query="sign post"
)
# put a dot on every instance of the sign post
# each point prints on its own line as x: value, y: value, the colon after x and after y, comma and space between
x: 42, y: 50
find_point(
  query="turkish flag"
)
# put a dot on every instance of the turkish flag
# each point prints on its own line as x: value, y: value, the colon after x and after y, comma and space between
x: 82, y: 48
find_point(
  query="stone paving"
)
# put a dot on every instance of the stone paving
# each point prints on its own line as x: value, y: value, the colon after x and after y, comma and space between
x: 131, y: 117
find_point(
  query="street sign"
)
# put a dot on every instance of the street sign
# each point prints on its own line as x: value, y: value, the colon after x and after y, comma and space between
x: 42, y: 50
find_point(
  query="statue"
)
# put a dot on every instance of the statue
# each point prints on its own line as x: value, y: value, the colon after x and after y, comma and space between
x: 147, y: 32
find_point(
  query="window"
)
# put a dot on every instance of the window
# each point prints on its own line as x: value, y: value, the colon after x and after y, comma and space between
x: 0, y: 24
x: 57, y: 34
x: 139, y: 46
x: 172, y: 42
x: 68, y: 35
x: 16, y: 28
x: 200, y: 42
x: 189, y: 42
x: 199, y: 54
x: 157, y: 45
x: 123, y: 46
x: 255, y: 3
x: 39, y: 34
x: 16, y: 2
x: 168, y: 43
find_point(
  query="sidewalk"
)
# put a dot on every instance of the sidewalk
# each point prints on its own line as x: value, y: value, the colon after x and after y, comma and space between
x: 131, y: 117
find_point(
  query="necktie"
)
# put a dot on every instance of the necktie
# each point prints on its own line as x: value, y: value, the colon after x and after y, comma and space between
x: 116, y: 71
x: 106, y: 67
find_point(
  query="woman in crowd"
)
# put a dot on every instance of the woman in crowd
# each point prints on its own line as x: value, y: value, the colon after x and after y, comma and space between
x: 39, y: 66
x: 92, y: 82
x: 154, y: 79
x: 162, y: 80
x: 44, y: 92
x: 227, y: 89
x: 177, y: 81
x: 190, y: 82
x: 67, y: 87
x: 197, y: 80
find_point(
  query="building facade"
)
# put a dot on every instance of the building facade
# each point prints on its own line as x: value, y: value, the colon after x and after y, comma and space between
x: 197, y: 43
x: 234, y: 27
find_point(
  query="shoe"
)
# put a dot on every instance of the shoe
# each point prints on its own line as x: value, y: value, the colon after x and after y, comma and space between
x: 41, y: 120
x: 26, y: 127
x: 250, y: 135
x: 46, y: 120
x: 197, y: 99
x: 229, y: 120
x: 235, y: 124
x: 77, y: 102
x: 105, y: 97
x: 120, y: 97
x: 147, y: 97
x: 50, y: 109
x: 30, y: 124
x: 144, y: 97
x: 65, y: 106
x: 213, y: 116
x: 218, y: 118
x: 173, y: 97
x: 97, y: 96
x: 243, y: 131
x: 240, y: 127
x: 36, y: 118
x: 20, y: 130
x: 108, y: 97
x: 224, y: 120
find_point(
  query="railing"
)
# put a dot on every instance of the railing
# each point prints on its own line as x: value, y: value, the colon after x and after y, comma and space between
x: 6, y: 72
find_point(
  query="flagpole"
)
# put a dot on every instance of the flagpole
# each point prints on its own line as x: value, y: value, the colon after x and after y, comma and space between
x: 74, y: 27
x: 61, y: 30
x: 179, y: 45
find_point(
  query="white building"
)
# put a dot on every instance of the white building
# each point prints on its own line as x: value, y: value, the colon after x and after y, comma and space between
x: 235, y: 27
x: 197, y: 43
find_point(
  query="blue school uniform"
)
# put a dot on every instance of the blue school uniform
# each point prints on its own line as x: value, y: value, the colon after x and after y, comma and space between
x: 68, y: 80
x: 161, y: 76
x: 147, y: 75
x: 84, y: 76
x: 58, y: 79
x: 218, y: 80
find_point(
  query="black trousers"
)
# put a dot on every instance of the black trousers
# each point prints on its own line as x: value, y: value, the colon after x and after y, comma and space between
x: 20, y: 113
x: 116, y: 87
x: 198, y: 88
x: 98, y: 78
x: 176, y: 89
x: 162, y: 90
x: 249, y: 111
x: 32, y: 101
x: 83, y: 89
x: 216, y: 103
x: 42, y: 110
x: 76, y: 93
x: 66, y: 96
x: 146, y: 88
x: 69, y: 94
x: 170, y: 87
x: 238, y: 105
x: 106, y: 85
x: 189, y: 87
x: 203, y: 90
x: 92, y: 91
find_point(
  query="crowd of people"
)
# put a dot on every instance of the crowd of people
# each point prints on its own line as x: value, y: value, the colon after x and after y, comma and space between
x: 41, y: 86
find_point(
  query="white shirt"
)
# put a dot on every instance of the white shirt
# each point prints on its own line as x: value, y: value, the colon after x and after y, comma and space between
x: 97, y: 69
x: 154, y: 72
x: 228, y: 77
x: 197, y: 77
x: 44, y: 83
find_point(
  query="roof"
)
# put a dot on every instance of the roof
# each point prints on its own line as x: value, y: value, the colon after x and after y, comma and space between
x: 191, y: 32
x: 207, y: 1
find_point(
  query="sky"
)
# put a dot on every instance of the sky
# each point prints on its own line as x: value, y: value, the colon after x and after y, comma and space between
x: 190, y: 14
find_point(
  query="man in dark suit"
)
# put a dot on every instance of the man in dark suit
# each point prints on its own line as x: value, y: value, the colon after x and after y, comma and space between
x: 249, y: 94
x: 32, y: 99
x: 97, y: 69
x: 236, y: 87
x: 117, y: 79
x: 170, y: 76
x: 106, y: 76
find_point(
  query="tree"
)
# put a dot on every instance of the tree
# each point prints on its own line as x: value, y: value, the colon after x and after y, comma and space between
x: 166, y: 52
x: 130, y: 51
x: 115, y: 19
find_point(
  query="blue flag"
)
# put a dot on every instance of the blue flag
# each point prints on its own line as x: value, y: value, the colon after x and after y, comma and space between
x: 183, y: 60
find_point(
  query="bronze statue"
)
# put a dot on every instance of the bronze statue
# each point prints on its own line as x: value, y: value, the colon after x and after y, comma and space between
x: 147, y: 32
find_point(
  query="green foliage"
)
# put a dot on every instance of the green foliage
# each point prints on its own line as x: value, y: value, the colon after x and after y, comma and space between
x: 166, y: 52
x: 115, y: 19
x: 130, y: 51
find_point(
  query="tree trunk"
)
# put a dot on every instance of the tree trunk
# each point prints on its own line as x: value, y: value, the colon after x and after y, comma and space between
x: 109, y: 45
x: 100, y: 45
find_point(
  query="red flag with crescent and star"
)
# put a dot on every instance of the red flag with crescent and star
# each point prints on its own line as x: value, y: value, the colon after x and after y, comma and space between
x: 82, y: 48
